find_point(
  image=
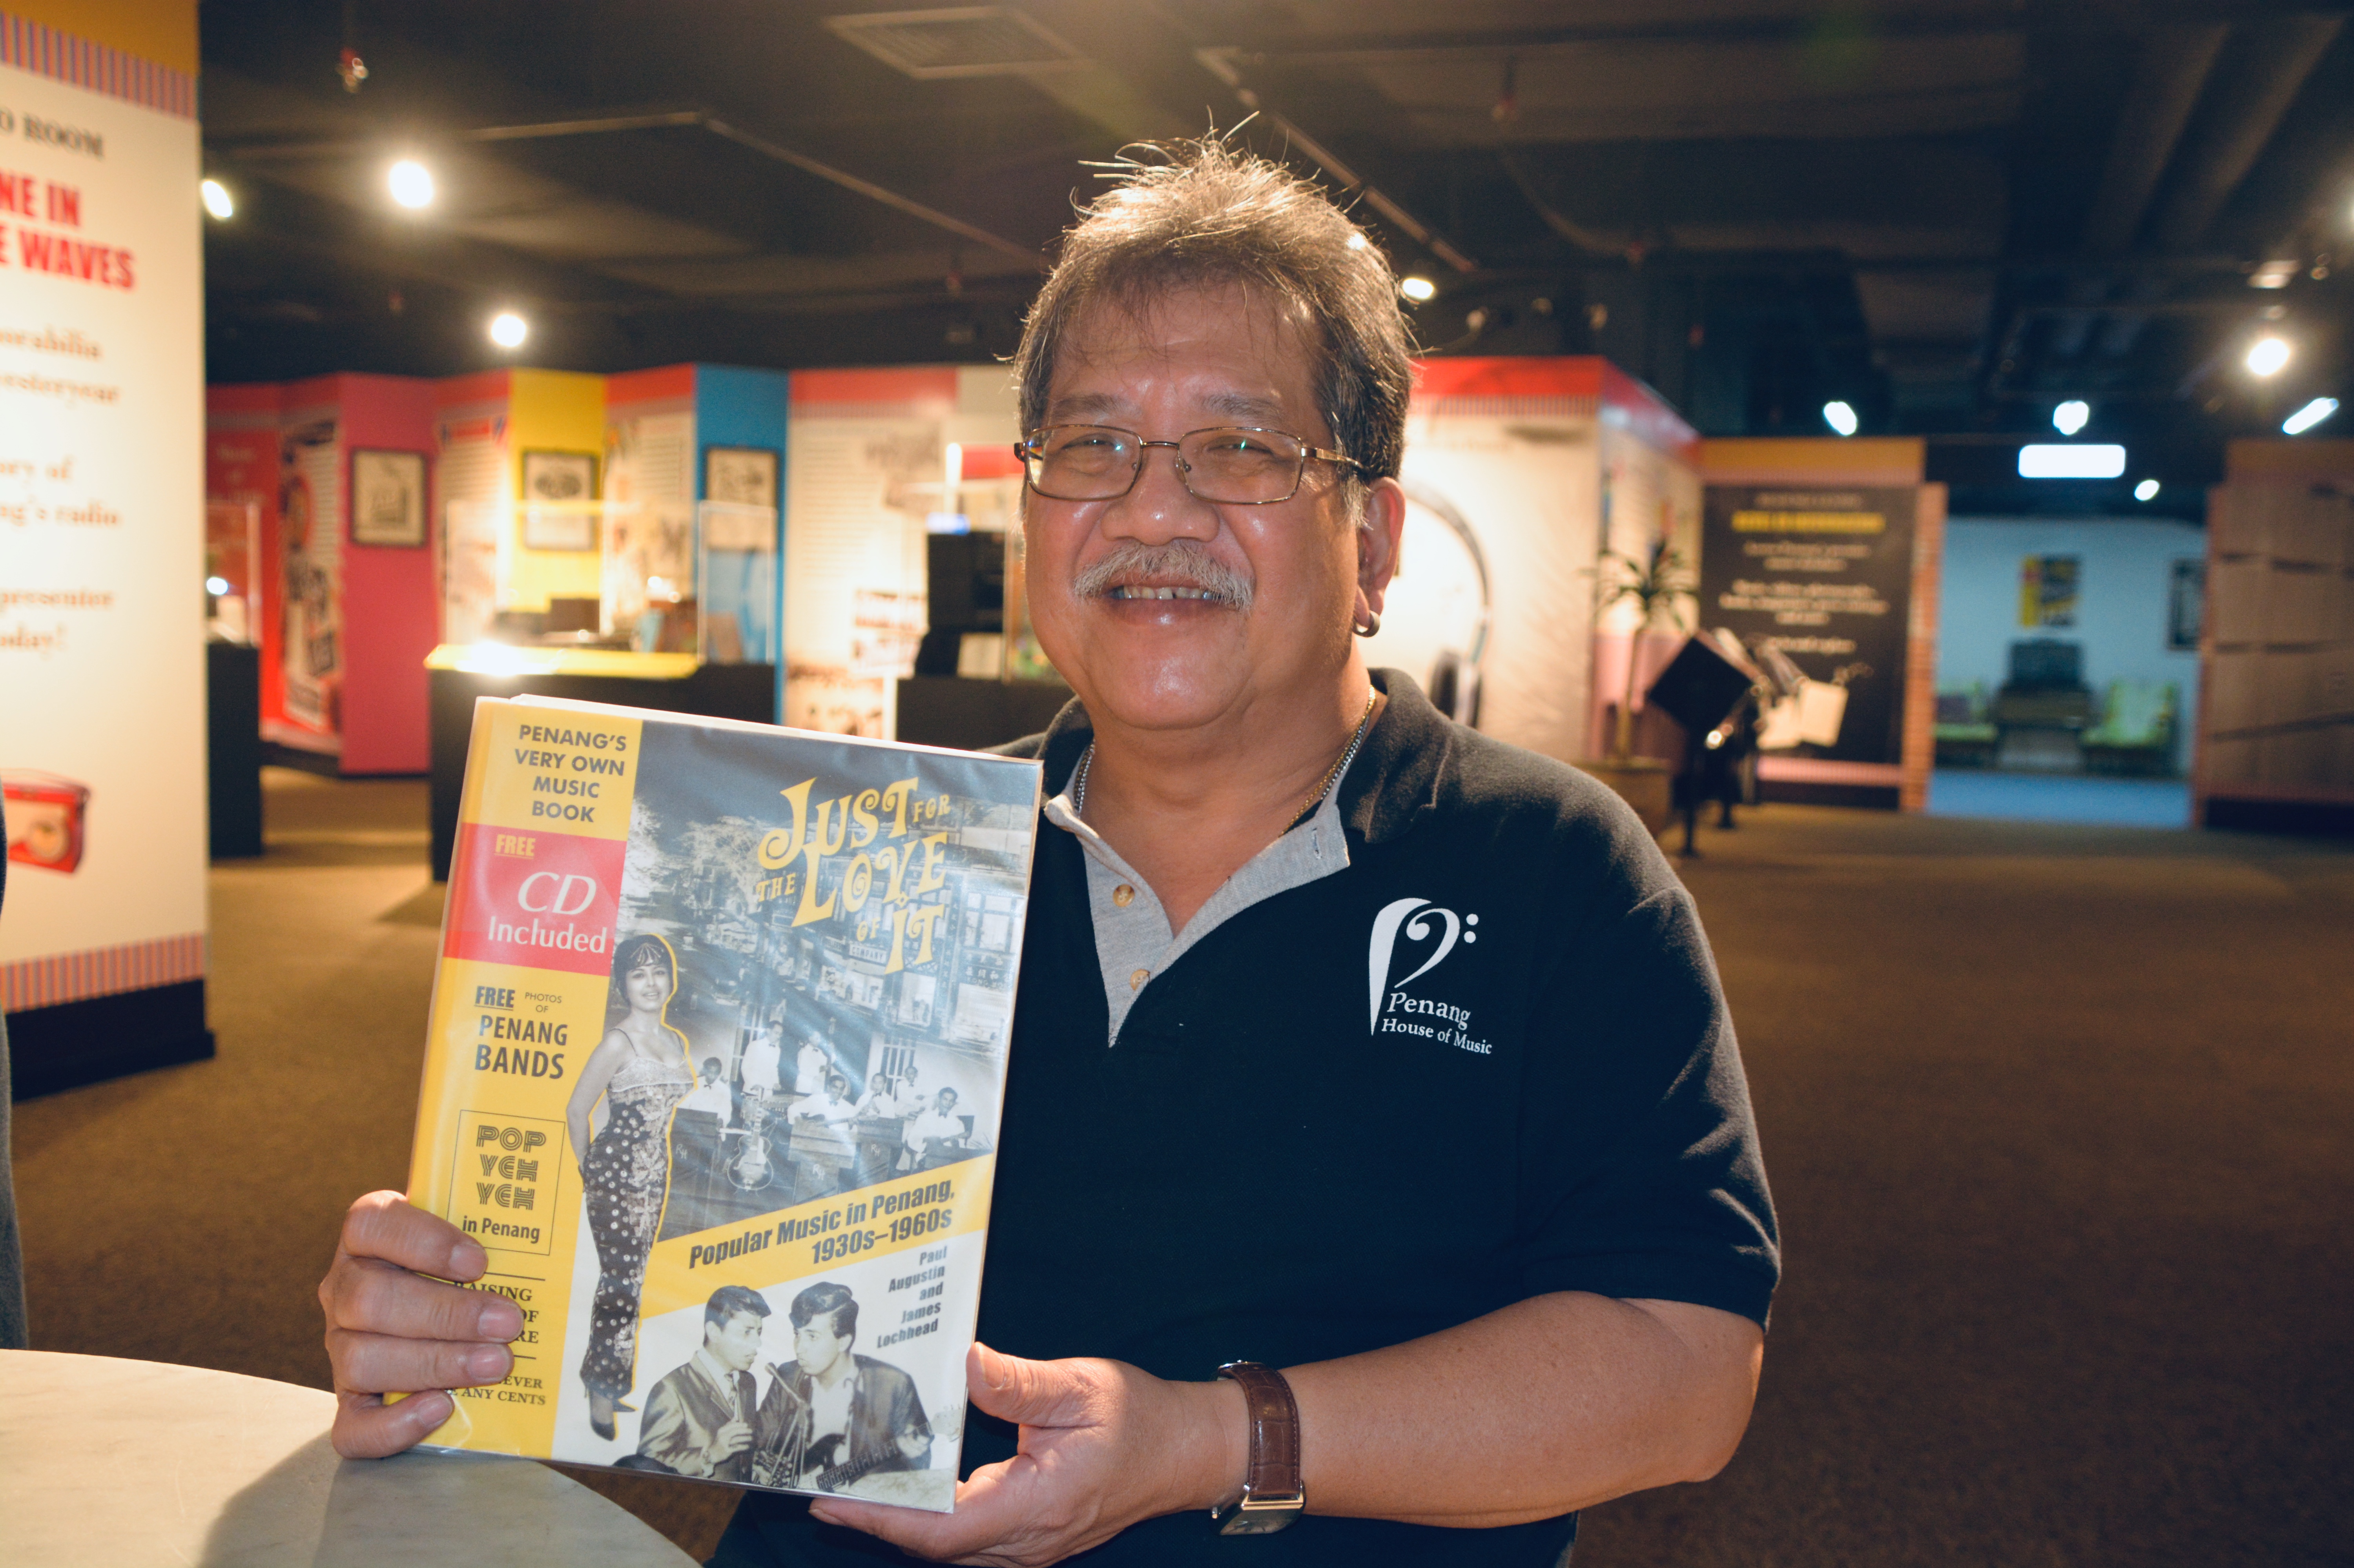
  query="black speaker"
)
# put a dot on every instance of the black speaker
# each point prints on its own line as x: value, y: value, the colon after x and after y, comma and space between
x: 1700, y: 687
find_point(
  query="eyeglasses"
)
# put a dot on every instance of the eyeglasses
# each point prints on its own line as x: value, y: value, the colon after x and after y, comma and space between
x: 1228, y: 465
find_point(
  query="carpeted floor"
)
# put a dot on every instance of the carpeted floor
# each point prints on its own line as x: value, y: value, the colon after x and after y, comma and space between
x: 2061, y: 1121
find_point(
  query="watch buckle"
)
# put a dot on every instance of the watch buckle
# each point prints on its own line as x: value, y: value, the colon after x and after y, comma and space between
x: 1260, y: 1515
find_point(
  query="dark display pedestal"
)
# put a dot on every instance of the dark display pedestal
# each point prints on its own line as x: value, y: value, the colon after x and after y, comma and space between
x: 2316, y: 818
x: 78, y: 1042
x: 719, y: 690
x: 968, y: 715
x: 233, y: 739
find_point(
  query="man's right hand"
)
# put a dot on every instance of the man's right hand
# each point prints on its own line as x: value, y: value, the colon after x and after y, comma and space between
x: 734, y: 1437
x: 392, y: 1330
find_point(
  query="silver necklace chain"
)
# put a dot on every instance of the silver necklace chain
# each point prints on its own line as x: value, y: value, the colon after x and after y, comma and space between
x: 1079, y: 779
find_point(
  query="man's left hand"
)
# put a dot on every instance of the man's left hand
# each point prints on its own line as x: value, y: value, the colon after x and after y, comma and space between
x: 1103, y: 1446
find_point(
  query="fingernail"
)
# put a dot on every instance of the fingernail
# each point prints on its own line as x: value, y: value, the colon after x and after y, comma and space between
x: 432, y: 1408
x: 488, y: 1364
x: 500, y: 1319
x: 992, y: 1367
x: 467, y: 1258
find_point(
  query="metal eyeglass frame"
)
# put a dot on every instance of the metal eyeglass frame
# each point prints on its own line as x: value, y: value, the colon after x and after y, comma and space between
x: 1027, y: 450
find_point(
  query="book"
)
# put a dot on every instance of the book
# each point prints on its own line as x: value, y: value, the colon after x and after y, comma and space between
x: 717, y: 1048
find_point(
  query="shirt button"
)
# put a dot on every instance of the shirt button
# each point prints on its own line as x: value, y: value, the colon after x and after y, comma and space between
x: 1138, y: 978
x: 1123, y: 896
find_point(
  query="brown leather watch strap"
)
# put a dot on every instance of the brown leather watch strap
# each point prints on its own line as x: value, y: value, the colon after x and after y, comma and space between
x: 1272, y: 1493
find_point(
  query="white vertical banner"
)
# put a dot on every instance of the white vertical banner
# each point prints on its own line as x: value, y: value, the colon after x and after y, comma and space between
x: 102, y: 521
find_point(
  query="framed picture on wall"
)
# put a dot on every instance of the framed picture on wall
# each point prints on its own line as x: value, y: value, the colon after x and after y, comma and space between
x: 559, y: 495
x: 740, y: 476
x: 560, y: 476
x: 388, y: 499
x: 2048, y: 586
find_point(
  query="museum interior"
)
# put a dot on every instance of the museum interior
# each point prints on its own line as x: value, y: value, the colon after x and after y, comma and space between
x: 1894, y: 445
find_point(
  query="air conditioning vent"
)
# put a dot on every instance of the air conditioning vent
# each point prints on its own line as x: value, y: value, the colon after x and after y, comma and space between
x: 957, y: 41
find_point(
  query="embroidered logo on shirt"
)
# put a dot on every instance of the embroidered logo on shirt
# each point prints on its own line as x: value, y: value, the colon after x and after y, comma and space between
x: 1417, y: 919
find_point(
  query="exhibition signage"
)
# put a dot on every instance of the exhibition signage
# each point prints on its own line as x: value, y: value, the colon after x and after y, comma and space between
x: 868, y: 476
x: 1823, y: 577
x: 1518, y: 473
x: 101, y: 511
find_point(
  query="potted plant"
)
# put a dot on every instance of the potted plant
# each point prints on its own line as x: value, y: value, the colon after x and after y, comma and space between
x: 1656, y: 587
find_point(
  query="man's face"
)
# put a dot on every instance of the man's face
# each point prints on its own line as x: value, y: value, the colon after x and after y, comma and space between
x: 734, y: 1345
x: 1190, y: 360
x: 947, y: 1101
x: 817, y: 1347
x: 879, y: 1083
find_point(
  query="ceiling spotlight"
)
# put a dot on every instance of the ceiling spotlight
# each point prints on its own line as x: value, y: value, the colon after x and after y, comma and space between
x: 2145, y: 491
x: 216, y: 586
x: 508, y: 330
x: 2273, y: 274
x: 2268, y: 355
x: 2070, y: 416
x: 1417, y: 289
x: 2312, y: 414
x: 2075, y: 460
x: 411, y: 182
x: 217, y: 200
x: 1839, y: 416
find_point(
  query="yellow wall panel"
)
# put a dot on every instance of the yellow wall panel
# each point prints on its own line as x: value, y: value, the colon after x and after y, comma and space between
x: 552, y: 410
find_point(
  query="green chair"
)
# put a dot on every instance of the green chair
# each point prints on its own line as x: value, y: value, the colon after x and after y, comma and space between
x: 2136, y: 732
x: 1966, y: 734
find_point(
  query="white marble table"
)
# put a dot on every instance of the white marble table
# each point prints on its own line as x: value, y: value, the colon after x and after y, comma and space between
x: 107, y: 1463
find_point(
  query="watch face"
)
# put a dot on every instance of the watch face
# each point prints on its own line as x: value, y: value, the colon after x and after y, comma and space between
x: 1257, y: 1523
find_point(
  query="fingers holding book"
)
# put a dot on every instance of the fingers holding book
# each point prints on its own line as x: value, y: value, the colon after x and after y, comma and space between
x: 393, y: 1328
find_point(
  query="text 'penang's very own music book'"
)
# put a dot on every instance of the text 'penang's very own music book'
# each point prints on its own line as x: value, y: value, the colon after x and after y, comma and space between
x: 717, y: 1052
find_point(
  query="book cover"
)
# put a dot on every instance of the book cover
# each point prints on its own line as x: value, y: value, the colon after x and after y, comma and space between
x: 717, y: 1049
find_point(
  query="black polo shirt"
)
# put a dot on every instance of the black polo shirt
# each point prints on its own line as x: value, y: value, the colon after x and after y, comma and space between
x: 1487, y: 1061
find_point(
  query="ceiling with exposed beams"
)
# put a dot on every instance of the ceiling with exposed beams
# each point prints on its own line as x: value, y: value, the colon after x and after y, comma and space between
x: 1952, y: 213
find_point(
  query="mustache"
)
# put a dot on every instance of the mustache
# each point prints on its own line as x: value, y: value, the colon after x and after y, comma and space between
x: 1173, y: 565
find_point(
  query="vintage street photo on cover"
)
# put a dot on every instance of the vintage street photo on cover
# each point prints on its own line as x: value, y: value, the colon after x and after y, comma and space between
x: 837, y: 1032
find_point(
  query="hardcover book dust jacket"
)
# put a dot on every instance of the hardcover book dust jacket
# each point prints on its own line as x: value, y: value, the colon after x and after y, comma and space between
x: 719, y: 1043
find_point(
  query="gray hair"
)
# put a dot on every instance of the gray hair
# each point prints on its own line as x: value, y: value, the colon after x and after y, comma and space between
x: 1210, y: 215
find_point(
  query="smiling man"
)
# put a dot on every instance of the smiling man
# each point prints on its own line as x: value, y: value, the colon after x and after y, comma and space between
x: 1376, y: 1162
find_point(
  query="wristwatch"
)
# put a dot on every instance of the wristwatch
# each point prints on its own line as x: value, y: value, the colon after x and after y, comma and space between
x: 1273, y: 1494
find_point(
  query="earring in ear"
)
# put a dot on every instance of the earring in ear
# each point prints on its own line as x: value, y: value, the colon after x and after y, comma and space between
x: 1371, y: 625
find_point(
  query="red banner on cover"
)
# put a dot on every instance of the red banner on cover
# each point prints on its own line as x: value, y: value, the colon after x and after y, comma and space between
x: 545, y: 901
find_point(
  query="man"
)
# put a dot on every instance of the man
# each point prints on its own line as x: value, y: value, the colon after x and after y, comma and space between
x: 1266, y: 872
x: 701, y: 1418
x: 831, y: 1104
x: 844, y: 1415
x: 810, y: 1064
x: 936, y: 1135
x: 759, y: 1075
x: 711, y: 1095
x: 879, y: 1103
